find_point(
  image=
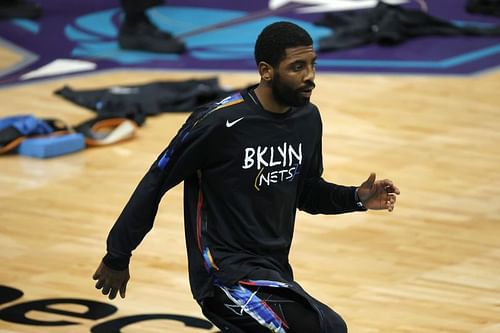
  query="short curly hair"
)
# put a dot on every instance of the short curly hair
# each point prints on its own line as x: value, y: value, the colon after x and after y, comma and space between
x: 273, y: 41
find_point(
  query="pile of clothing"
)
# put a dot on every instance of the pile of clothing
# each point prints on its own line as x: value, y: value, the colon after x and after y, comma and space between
x: 119, y: 110
x: 389, y: 25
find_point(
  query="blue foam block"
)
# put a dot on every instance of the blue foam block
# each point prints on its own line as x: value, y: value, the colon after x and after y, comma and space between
x: 51, y: 146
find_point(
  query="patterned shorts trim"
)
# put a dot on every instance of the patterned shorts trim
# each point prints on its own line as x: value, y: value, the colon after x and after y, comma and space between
x: 246, y: 300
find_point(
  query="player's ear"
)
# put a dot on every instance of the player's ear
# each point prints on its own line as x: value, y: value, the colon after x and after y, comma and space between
x: 266, y: 71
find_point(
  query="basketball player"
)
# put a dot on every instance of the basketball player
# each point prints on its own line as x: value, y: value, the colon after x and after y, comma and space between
x: 248, y: 162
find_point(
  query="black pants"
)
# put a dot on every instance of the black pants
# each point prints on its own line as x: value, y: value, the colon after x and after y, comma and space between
x: 138, y: 6
x: 295, y: 312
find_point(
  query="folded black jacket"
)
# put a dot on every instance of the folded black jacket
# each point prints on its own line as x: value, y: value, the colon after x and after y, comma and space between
x: 139, y: 101
x: 389, y: 25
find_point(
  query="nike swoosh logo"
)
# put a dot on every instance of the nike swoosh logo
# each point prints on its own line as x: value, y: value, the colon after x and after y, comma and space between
x: 232, y: 123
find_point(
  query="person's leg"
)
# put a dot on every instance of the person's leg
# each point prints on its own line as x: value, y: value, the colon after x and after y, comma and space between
x: 135, y: 11
x: 25, y: 9
x: 331, y: 320
x: 134, y: 6
x: 264, y: 310
x: 137, y: 32
x: 219, y: 319
x: 294, y: 310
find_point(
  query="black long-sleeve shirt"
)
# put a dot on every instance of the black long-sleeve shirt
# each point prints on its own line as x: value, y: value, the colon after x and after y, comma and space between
x: 245, y: 171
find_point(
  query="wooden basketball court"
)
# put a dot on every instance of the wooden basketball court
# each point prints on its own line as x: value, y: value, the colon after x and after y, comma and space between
x: 433, y: 265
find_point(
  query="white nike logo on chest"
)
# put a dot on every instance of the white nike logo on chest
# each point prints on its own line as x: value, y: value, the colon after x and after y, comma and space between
x: 232, y: 123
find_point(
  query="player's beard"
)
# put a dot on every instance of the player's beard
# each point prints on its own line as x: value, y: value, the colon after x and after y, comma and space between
x: 289, y: 96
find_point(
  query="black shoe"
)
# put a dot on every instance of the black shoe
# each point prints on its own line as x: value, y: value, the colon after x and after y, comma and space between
x: 19, y: 9
x: 144, y: 36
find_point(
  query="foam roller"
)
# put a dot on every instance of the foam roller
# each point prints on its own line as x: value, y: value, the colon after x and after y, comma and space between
x: 51, y: 146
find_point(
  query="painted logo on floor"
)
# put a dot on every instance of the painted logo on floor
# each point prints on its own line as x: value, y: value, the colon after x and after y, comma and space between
x: 22, y: 312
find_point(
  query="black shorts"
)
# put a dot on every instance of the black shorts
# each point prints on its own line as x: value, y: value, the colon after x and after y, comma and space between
x: 262, y: 309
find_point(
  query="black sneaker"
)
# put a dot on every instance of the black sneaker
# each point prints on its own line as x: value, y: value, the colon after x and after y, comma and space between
x: 144, y: 36
x: 19, y: 9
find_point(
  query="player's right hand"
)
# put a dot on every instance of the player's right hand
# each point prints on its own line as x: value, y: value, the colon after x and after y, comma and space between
x: 111, y: 281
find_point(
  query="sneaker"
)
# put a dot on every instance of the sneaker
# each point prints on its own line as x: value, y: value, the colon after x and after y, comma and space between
x: 144, y: 36
x: 19, y: 9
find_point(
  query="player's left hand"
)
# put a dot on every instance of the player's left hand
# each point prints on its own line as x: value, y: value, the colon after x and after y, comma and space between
x: 380, y: 194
